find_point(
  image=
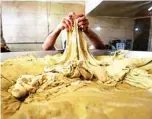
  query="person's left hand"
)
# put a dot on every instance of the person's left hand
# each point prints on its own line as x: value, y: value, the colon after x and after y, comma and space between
x: 83, y: 22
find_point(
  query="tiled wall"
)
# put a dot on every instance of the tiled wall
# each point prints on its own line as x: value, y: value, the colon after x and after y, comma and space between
x: 31, y: 22
x: 25, y: 47
x: 112, y: 28
x: 24, y: 21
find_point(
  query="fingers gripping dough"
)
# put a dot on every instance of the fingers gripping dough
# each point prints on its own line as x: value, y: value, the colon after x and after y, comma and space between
x: 76, y: 60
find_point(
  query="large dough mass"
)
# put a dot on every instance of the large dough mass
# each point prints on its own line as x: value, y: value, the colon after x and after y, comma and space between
x: 76, y: 85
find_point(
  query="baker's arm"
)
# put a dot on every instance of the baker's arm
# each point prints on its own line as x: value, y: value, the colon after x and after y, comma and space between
x: 83, y: 24
x: 94, y: 38
x: 66, y: 23
x: 51, y: 39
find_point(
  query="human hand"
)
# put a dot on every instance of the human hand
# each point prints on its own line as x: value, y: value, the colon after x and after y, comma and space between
x: 83, y: 22
x: 67, y: 22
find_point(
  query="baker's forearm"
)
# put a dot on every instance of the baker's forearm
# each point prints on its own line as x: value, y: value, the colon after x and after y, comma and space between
x: 95, y: 39
x: 51, y: 39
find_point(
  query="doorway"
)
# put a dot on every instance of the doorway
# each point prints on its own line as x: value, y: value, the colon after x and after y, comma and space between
x: 141, y: 34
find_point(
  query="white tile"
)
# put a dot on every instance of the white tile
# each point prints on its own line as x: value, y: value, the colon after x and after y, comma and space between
x: 23, y: 39
x: 24, y: 7
x: 117, y: 33
x: 129, y: 33
x: 21, y: 30
x: 28, y: 33
x: 126, y: 23
x: 24, y: 19
x: 105, y: 32
x: 109, y: 22
x: 77, y: 8
x: 104, y: 22
x: 54, y: 20
x: 56, y: 8
x: 106, y: 40
x: 25, y: 47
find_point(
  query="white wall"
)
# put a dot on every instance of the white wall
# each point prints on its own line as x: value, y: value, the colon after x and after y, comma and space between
x: 31, y: 22
x: 24, y: 21
x: 112, y: 28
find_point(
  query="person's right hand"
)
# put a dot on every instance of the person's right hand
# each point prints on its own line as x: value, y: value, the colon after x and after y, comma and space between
x: 67, y: 22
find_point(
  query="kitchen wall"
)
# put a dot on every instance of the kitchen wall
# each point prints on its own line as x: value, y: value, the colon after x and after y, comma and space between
x: 112, y: 27
x: 27, y: 24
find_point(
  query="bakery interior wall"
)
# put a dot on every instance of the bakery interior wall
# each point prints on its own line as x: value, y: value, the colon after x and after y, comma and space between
x: 27, y: 24
x: 115, y: 20
x: 112, y: 28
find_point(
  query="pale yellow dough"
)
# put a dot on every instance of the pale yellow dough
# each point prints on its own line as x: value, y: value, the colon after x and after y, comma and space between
x: 76, y: 85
